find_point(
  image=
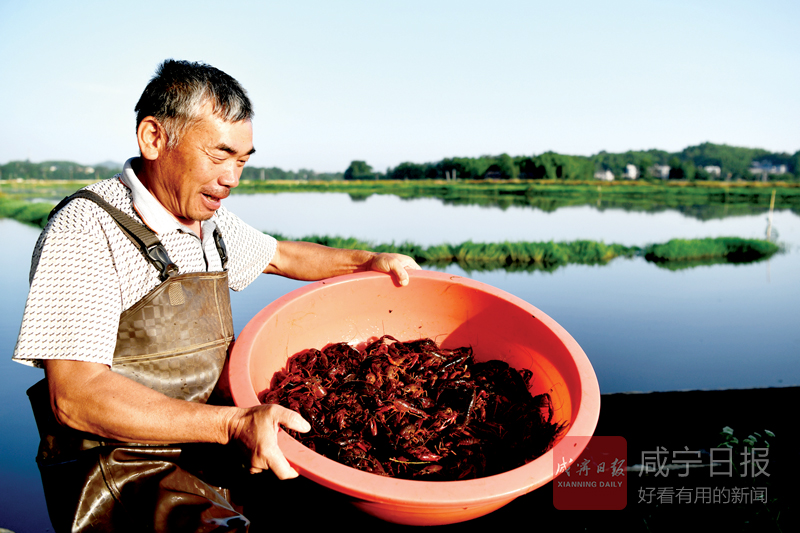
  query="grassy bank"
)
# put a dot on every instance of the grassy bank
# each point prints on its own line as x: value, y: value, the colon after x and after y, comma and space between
x: 34, y: 213
x: 698, y: 199
x: 549, y: 256
x: 45, y: 190
x: 732, y: 248
x: 679, y: 254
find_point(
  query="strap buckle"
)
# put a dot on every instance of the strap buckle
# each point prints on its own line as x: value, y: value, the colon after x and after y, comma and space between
x: 158, y: 256
x: 222, y: 250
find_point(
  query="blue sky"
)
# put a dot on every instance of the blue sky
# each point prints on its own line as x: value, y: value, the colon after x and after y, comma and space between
x: 387, y: 82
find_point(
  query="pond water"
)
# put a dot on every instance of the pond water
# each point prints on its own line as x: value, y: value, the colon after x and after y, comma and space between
x: 644, y: 328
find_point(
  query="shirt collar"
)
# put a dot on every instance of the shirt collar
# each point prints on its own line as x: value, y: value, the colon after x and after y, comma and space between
x: 153, y: 214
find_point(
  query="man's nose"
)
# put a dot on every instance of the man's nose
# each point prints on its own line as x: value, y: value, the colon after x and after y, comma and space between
x: 230, y: 177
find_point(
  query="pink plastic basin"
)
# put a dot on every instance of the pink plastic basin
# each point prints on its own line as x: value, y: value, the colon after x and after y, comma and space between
x: 452, y: 310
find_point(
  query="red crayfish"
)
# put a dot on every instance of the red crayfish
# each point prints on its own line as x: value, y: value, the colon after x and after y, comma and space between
x: 412, y: 409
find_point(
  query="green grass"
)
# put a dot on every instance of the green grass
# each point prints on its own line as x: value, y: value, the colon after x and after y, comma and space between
x: 34, y: 213
x: 548, y: 256
x: 733, y: 249
x: 52, y: 191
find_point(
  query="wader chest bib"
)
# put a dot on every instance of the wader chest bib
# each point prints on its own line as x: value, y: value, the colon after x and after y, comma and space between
x: 175, y: 341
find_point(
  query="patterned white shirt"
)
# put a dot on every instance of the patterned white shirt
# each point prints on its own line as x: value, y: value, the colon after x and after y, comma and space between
x: 85, y: 272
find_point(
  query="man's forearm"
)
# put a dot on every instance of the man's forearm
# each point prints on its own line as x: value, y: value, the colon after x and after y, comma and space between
x: 309, y: 261
x: 90, y: 397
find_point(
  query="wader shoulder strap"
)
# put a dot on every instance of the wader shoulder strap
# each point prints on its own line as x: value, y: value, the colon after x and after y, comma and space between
x: 142, y: 237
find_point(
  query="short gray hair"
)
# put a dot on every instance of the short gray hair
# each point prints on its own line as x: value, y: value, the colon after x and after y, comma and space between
x: 178, y: 92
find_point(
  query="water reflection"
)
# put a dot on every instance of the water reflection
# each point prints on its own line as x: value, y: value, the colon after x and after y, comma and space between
x: 549, y: 204
x: 427, y: 221
x: 703, y: 203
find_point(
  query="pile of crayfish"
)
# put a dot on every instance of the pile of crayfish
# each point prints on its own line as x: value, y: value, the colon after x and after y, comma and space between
x: 411, y: 409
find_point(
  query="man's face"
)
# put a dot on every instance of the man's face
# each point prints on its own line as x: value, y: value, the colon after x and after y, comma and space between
x: 193, y: 178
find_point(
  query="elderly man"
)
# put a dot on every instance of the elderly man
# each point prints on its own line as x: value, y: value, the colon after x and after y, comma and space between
x: 128, y: 313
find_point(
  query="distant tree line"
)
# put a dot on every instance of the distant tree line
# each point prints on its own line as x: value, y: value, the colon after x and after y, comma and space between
x: 731, y: 162
x: 274, y: 173
x: 705, y: 161
x: 57, y: 170
x: 66, y: 170
x: 549, y: 165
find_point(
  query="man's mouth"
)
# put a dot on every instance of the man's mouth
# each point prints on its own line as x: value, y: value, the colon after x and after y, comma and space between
x: 213, y: 201
x: 217, y: 197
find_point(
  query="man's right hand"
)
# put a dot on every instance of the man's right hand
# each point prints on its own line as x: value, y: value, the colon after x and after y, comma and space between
x: 256, y: 430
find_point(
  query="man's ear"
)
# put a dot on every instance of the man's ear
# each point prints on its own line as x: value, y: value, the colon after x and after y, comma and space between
x: 152, y: 138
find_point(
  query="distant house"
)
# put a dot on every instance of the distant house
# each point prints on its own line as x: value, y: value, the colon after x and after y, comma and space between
x: 631, y: 172
x: 605, y: 175
x: 765, y: 168
x: 714, y: 170
x: 659, y: 171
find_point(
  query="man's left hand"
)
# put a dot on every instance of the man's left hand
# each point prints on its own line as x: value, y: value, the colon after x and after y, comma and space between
x: 394, y: 264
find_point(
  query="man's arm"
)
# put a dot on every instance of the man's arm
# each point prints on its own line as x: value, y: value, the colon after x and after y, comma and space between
x: 90, y: 397
x: 308, y: 261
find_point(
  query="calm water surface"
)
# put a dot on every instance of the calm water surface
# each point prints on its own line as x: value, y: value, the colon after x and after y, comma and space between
x: 644, y: 328
x: 426, y: 221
